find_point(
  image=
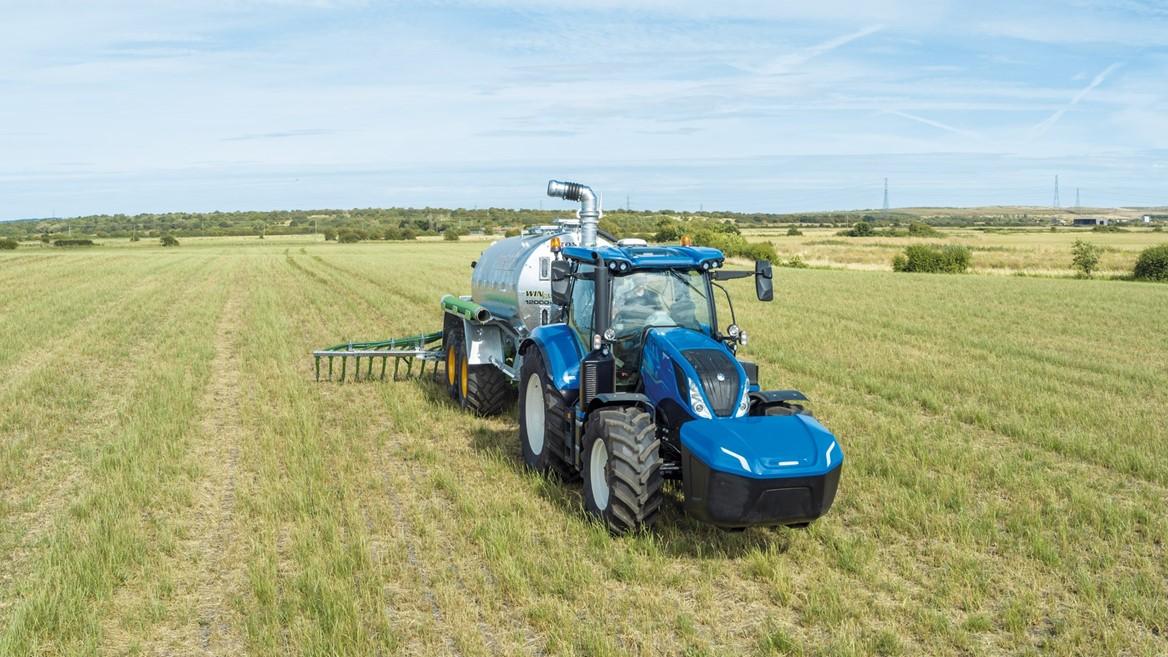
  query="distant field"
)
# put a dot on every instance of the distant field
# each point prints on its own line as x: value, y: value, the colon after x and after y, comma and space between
x: 173, y: 482
x: 1004, y: 251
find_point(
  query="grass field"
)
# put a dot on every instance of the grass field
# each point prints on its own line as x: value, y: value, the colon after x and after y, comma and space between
x: 173, y: 481
x: 1005, y: 251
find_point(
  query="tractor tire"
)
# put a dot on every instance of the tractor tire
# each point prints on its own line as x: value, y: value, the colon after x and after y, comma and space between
x: 544, y: 425
x: 452, y: 345
x: 622, y: 469
x: 482, y: 389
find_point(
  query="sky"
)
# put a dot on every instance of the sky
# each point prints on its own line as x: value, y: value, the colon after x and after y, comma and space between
x: 201, y: 105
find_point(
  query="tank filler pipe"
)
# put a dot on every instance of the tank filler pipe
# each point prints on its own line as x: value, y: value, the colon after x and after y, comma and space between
x: 589, y: 211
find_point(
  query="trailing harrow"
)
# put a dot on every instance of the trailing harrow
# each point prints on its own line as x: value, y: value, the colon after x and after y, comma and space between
x: 423, y: 349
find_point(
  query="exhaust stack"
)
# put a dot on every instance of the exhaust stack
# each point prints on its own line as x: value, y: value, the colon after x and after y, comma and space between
x: 589, y: 211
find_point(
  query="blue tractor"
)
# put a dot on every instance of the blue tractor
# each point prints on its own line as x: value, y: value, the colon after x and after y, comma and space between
x: 623, y: 376
x: 637, y: 384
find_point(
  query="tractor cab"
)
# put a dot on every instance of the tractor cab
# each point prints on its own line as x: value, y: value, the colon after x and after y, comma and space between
x: 650, y: 291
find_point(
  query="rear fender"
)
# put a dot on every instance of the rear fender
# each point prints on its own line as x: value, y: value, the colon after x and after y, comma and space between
x: 561, y: 354
x: 484, y: 343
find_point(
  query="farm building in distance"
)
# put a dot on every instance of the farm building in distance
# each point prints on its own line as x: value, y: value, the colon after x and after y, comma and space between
x: 1090, y: 221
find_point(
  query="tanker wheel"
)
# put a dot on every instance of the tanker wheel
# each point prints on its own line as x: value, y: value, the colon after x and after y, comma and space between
x: 622, y: 469
x: 452, y: 343
x: 482, y: 389
x: 544, y: 425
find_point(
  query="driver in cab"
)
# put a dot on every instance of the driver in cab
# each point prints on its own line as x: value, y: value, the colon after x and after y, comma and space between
x: 635, y: 307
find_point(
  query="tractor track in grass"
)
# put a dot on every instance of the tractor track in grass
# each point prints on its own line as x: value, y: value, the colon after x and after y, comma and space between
x: 205, y: 565
x: 218, y: 573
x: 409, y: 538
x: 488, y: 633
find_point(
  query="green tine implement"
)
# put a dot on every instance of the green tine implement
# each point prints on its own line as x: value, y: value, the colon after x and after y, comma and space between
x: 423, y: 348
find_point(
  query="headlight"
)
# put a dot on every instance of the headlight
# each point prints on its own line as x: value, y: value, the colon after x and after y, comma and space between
x: 744, y: 403
x: 697, y: 403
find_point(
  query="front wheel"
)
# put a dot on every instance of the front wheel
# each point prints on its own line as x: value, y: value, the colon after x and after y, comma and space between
x: 622, y: 469
x: 544, y: 428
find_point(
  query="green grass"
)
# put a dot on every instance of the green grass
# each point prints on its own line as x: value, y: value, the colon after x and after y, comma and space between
x: 172, y: 481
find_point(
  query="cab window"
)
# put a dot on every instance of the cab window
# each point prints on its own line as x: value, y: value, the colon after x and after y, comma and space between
x: 583, y: 299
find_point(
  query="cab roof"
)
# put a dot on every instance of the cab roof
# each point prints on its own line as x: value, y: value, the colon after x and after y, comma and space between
x: 649, y: 257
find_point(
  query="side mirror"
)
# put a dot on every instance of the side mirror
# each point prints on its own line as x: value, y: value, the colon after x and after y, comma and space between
x: 561, y: 281
x: 764, y: 287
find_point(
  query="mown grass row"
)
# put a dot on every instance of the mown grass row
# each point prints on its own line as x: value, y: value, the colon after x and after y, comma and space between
x: 134, y: 472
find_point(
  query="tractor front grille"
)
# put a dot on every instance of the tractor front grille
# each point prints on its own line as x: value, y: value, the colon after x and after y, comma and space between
x: 719, y: 378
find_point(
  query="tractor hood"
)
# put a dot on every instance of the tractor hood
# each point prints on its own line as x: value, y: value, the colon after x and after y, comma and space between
x: 679, y: 355
x: 763, y: 447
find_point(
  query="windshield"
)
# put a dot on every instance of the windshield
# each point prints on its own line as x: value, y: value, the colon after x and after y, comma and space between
x: 654, y: 298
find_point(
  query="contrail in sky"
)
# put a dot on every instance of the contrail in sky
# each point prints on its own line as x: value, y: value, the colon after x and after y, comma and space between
x: 935, y: 124
x: 1041, y: 127
x: 785, y: 63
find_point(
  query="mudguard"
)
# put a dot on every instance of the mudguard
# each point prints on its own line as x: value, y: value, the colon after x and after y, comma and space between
x: 561, y: 353
x: 621, y: 399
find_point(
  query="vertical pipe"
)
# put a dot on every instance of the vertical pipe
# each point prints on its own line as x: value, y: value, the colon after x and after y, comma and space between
x: 589, y: 212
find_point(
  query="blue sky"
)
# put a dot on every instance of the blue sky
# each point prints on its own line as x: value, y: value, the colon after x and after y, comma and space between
x: 204, y: 105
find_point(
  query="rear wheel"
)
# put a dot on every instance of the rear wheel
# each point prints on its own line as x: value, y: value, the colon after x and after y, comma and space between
x: 622, y: 469
x: 452, y: 344
x: 544, y: 425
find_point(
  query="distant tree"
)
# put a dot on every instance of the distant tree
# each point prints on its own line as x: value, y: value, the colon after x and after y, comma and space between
x: 861, y: 229
x: 329, y: 234
x: 1152, y: 265
x: 168, y: 240
x: 451, y: 235
x: 7, y: 244
x: 1085, y: 257
x: 793, y: 231
x: 921, y: 229
x: 511, y: 232
x: 348, y: 237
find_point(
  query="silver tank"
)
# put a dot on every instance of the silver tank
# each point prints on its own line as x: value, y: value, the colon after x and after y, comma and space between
x: 513, y: 276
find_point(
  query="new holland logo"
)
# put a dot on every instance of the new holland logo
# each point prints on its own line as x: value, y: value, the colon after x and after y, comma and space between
x: 721, y: 377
